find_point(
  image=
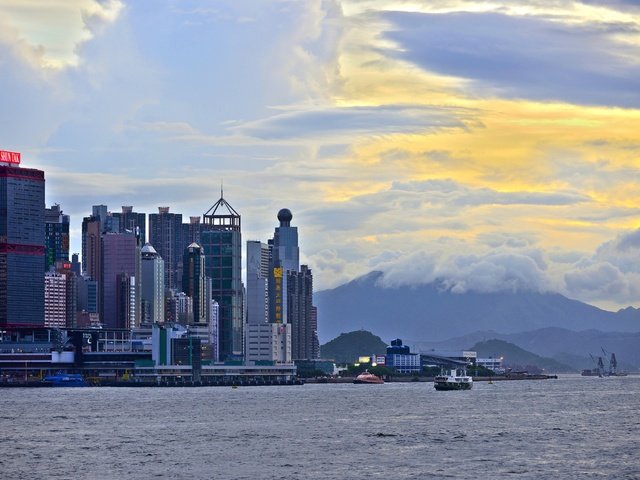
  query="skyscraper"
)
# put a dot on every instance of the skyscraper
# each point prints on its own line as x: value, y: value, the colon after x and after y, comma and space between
x: 92, y: 247
x: 56, y: 236
x: 257, y: 302
x: 130, y: 220
x: 222, y: 244
x: 291, y: 289
x: 165, y: 234
x: 21, y: 244
x: 300, y: 313
x: 286, y: 253
x: 194, y: 282
x: 55, y: 299
x: 152, y: 285
x: 120, y: 271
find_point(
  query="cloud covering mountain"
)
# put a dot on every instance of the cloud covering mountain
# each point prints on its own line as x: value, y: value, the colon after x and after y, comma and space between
x: 435, y: 311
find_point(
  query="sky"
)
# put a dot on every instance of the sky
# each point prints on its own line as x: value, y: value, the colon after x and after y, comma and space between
x: 492, y: 145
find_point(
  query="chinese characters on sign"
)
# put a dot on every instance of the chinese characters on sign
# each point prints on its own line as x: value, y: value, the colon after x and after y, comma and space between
x: 277, y: 274
x: 10, y: 157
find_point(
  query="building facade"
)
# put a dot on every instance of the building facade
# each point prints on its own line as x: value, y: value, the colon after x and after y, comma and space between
x: 165, y: 234
x: 257, y: 295
x: 131, y: 221
x: 56, y: 236
x: 151, y: 285
x: 120, y: 262
x: 55, y: 299
x: 221, y: 241
x: 300, y: 313
x: 194, y: 282
x: 22, y: 245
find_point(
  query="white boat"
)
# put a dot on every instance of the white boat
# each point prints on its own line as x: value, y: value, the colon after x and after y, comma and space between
x: 453, y: 381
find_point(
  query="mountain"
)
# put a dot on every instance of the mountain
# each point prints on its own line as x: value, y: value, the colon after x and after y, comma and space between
x: 431, y: 313
x: 516, y: 356
x: 349, y: 346
x: 566, y: 346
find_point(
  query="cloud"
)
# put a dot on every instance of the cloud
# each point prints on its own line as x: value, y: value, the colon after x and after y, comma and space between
x: 454, y: 193
x: 343, y: 123
x: 612, y: 273
x: 497, y: 271
x: 523, y: 57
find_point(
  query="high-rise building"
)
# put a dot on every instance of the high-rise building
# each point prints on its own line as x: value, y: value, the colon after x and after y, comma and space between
x: 257, y: 296
x: 55, y: 299
x: 291, y: 289
x: 286, y: 253
x: 56, y: 236
x: 109, y: 222
x: 132, y: 221
x: 165, y: 234
x: 120, y: 262
x: 194, y: 281
x: 152, y: 285
x: 127, y: 301
x: 222, y: 244
x: 65, y: 268
x: 75, y: 265
x: 191, y: 231
x: 88, y: 295
x: 22, y: 244
x: 284, y: 258
x: 300, y: 313
x: 92, y: 247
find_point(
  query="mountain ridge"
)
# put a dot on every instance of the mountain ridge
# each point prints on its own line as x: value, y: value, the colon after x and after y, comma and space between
x: 430, y: 313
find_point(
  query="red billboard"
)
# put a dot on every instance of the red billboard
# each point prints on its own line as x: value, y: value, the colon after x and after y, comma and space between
x: 10, y: 157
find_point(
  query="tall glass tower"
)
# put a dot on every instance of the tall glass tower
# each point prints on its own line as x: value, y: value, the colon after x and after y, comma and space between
x: 221, y: 242
x: 22, y: 245
x: 194, y: 281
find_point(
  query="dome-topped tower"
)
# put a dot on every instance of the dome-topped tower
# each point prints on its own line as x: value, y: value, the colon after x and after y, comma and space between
x: 285, y: 216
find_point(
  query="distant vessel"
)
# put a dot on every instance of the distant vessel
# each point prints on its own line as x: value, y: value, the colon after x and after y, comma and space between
x: 61, y: 379
x: 366, y: 377
x: 600, y: 371
x: 453, y: 381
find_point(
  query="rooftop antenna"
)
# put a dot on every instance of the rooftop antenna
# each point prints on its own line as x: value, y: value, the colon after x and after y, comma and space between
x: 221, y: 188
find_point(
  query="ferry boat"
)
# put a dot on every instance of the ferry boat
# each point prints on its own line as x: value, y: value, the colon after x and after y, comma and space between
x: 61, y: 379
x: 366, y: 377
x: 453, y: 381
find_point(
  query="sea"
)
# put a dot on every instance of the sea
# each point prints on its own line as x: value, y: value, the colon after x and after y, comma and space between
x: 573, y: 427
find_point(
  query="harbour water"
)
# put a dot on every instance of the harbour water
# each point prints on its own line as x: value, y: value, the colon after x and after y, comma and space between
x: 573, y: 427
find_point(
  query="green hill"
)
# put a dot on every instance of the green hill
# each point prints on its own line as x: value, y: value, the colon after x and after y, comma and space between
x: 347, y: 347
x: 517, y: 358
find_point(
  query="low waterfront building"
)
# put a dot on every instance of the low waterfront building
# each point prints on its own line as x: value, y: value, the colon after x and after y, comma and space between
x: 400, y: 358
x: 491, y: 363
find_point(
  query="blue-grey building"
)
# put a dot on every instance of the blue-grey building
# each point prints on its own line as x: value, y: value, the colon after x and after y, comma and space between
x: 22, y: 235
x: 400, y: 358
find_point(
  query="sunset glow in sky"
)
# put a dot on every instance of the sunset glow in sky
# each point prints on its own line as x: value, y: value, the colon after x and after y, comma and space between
x: 490, y: 144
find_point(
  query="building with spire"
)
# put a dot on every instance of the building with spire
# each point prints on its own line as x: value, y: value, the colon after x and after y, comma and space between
x: 221, y: 241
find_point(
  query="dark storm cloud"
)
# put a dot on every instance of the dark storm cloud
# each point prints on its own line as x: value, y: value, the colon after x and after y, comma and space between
x: 523, y: 57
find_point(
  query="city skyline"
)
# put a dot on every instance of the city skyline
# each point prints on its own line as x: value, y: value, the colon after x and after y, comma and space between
x: 489, y: 144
